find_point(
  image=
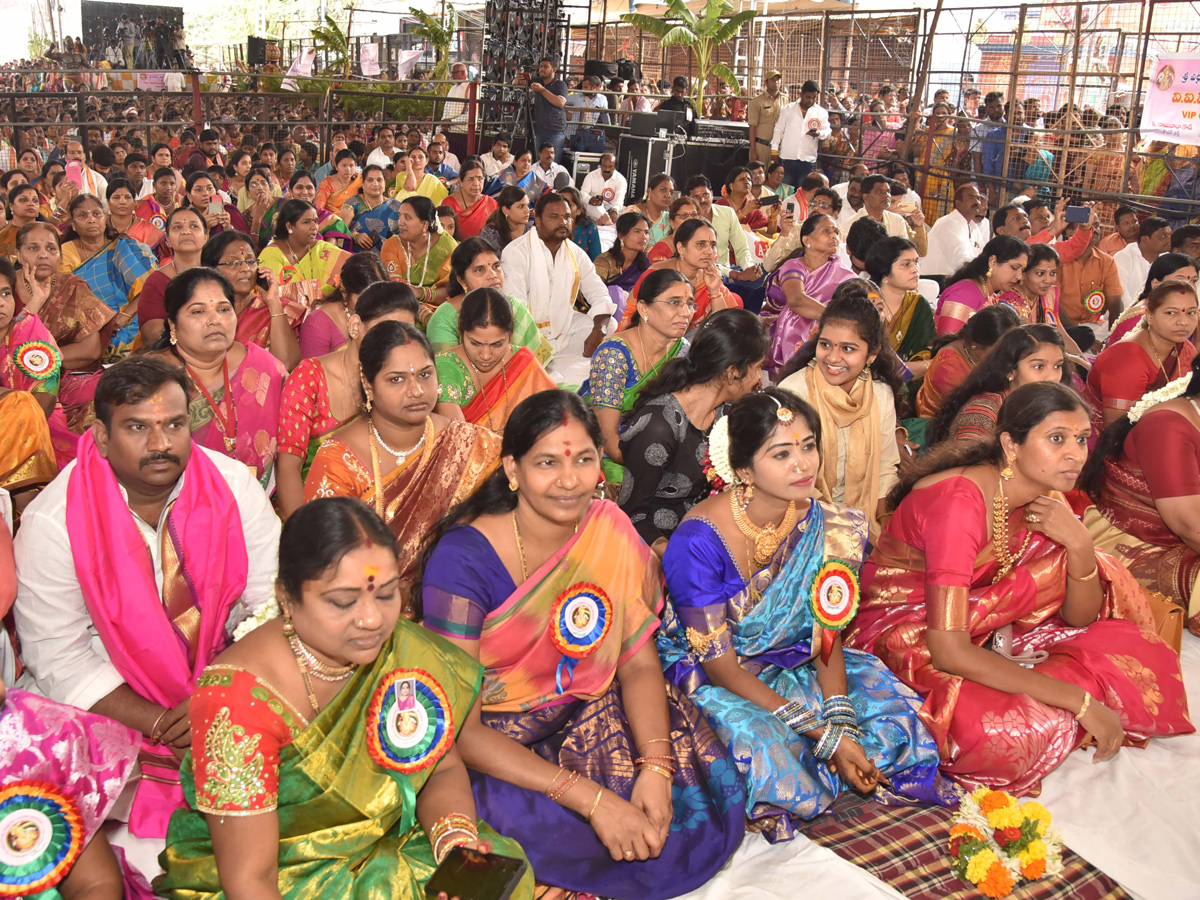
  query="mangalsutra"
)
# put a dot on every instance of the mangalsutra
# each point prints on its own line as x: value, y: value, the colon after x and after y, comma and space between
x: 479, y: 389
x: 318, y: 669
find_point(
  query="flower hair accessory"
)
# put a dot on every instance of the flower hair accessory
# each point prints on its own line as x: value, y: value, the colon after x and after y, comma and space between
x: 1172, y: 391
x: 718, y: 452
x: 995, y: 842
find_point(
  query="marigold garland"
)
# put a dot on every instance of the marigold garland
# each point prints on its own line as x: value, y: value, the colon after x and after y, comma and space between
x: 996, y: 842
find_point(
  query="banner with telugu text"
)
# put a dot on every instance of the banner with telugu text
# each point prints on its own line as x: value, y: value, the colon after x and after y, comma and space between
x: 1172, y: 108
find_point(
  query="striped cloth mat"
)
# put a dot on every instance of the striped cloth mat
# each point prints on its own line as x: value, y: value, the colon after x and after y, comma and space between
x: 906, y: 846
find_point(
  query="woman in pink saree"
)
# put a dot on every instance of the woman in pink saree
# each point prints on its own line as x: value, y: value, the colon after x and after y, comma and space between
x: 1021, y: 637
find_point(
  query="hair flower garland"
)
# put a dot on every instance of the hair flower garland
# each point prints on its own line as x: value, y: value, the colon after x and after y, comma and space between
x: 1172, y: 391
x: 261, y: 616
x: 718, y: 453
x: 995, y: 842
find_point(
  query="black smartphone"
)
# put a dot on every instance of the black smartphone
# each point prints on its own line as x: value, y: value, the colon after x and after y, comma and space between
x: 471, y: 875
x: 770, y: 200
x: 1078, y: 214
x: 263, y: 282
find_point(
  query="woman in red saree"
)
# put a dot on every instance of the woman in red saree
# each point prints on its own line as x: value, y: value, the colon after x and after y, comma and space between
x: 955, y: 356
x: 696, y: 259
x: 470, y: 204
x: 123, y: 220
x: 1157, y: 353
x: 1141, y: 493
x: 987, y: 596
x: 404, y: 461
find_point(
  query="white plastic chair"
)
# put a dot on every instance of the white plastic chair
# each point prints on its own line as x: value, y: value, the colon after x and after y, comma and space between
x: 928, y: 288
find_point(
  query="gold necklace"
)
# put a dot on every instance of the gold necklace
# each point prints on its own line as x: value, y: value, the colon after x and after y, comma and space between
x: 520, y: 548
x: 323, y: 671
x: 646, y: 356
x: 479, y: 389
x: 1157, y: 358
x: 1000, y: 536
x: 765, y: 540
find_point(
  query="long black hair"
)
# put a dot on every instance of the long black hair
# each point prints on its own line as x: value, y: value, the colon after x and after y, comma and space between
x: 384, y: 297
x: 1022, y: 411
x: 318, y: 534
x: 1003, y: 247
x: 883, y: 255
x: 179, y: 291
x: 852, y: 308
x: 754, y: 417
x: 1112, y: 442
x: 993, y: 373
x: 983, y: 329
x: 626, y: 222
x: 532, y: 418
x: 509, y: 195
x: 728, y: 339
x: 1163, y: 267
x: 359, y: 272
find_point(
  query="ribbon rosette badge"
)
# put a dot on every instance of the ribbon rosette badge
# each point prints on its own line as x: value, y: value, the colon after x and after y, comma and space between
x: 835, y: 595
x: 814, y: 124
x: 410, y: 724
x: 1094, y: 302
x: 579, y: 622
x: 608, y: 195
x: 37, y: 359
x: 41, y: 836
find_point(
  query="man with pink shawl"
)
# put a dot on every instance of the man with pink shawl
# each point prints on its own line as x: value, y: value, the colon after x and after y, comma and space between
x: 133, y: 566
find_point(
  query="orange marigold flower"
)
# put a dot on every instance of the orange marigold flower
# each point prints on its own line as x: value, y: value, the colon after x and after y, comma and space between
x: 994, y: 800
x: 1034, y: 870
x: 998, y: 883
x: 965, y: 829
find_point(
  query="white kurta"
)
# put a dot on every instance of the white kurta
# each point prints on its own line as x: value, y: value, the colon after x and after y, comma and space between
x: 549, y: 284
x: 611, y: 191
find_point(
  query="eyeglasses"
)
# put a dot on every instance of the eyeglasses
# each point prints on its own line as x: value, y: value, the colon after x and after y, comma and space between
x: 250, y: 263
x: 473, y: 179
x: 675, y: 305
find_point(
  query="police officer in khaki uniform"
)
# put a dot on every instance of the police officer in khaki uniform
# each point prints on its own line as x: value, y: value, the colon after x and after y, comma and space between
x: 763, y: 113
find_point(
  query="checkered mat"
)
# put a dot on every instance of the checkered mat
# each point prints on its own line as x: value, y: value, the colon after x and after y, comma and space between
x: 906, y: 847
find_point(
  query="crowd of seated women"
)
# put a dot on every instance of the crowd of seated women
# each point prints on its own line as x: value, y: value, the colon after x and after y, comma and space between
x: 854, y: 542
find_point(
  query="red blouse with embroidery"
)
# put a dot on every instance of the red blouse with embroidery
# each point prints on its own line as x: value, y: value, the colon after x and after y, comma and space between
x: 304, y: 411
x: 239, y: 724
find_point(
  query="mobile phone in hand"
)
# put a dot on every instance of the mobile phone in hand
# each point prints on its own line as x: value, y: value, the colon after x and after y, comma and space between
x: 215, y: 206
x: 1078, y: 214
x: 75, y: 173
x: 471, y: 875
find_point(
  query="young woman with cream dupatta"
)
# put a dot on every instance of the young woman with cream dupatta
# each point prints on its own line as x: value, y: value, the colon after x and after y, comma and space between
x: 297, y: 783
x: 987, y: 596
x: 613, y: 782
x: 402, y: 459
x: 486, y: 376
x: 761, y: 577
x: 849, y: 374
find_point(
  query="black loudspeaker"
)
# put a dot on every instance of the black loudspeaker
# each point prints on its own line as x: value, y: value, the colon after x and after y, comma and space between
x: 605, y: 70
x: 639, y: 159
x: 256, y: 51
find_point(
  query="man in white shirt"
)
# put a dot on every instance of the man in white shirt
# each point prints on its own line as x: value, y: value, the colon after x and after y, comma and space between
x: 955, y: 238
x: 548, y: 271
x: 589, y: 138
x: 384, y: 153
x: 1133, y: 262
x: 498, y: 158
x: 546, y: 169
x: 852, y: 201
x: 801, y: 127
x: 93, y: 182
x: 731, y: 237
x: 877, y: 197
x: 124, y: 595
x: 604, y: 190
x: 457, y: 113
x: 135, y: 168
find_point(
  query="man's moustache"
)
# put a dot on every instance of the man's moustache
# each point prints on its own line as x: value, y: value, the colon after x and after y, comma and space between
x: 159, y: 457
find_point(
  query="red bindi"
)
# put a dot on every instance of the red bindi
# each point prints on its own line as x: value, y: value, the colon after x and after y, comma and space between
x: 567, y: 452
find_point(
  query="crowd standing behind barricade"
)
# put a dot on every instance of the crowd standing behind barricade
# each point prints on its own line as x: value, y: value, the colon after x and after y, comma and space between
x: 602, y: 532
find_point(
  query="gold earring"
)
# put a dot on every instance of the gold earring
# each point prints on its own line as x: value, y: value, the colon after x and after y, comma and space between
x: 989, y: 274
x: 174, y: 340
x: 1007, y: 472
x: 748, y: 493
x: 368, y: 402
x: 288, y: 629
x: 512, y: 485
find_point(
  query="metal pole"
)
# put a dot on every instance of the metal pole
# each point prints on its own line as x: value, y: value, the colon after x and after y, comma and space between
x: 1144, y: 38
x: 918, y: 93
x: 1068, y: 137
x: 1018, y: 42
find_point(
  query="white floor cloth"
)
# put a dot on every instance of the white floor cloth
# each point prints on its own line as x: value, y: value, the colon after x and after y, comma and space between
x: 1136, y: 818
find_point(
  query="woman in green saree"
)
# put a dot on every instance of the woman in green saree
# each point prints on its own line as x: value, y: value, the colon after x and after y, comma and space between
x: 302, y: 187
x: 626, y: 362
x: 894, y: 265
x: 324, y: 759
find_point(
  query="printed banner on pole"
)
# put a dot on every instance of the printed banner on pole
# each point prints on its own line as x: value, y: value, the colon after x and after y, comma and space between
x: 368, y: 59
x: 406, y: 60
x: 302, y: 67
x: 1172, y: 110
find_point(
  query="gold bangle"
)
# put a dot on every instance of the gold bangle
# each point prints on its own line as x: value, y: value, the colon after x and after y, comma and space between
x: 595, y: 804
x: 665, y: 773
x: 1083, y: 708
x: 1094, y: 573
x: 154, y: 738
x: 659, y: 741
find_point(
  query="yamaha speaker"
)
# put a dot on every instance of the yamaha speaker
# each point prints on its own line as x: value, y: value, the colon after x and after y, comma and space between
x: 639, y: 159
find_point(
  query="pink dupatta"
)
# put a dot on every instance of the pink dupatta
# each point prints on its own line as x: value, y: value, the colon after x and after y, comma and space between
x: 144, y: 644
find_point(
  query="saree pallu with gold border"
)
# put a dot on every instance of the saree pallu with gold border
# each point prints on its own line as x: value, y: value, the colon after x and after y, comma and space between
x: 768, y: 623
x: 570, y: 711
x: 986, y: 736
x: 522, y: 376
x: 1126, y: 523
x: 347, y: 825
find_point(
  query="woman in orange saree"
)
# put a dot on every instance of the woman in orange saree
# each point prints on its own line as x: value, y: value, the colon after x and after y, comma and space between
x: 956, y: 355
x: 485, y: 377
x: 403, y: 461
x: 1021, y: 638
